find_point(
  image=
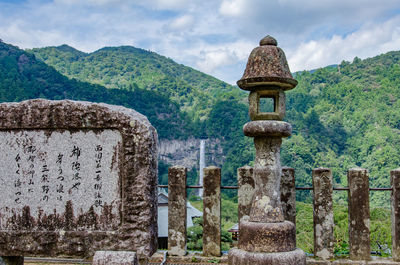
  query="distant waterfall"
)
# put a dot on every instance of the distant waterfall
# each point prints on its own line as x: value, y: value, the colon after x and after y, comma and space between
x: 202, y: 165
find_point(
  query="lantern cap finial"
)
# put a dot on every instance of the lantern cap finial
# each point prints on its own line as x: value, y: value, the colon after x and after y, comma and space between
x: 268, y: 40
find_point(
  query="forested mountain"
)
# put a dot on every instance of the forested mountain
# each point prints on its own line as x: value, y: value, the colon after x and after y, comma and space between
x: 347, y: 116
x: 22, y: 77
x: 343, y: 116
x: 130, y: 68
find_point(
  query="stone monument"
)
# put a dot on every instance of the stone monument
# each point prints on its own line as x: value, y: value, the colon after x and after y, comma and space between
x: 76, y: 177
x: 266, y: 238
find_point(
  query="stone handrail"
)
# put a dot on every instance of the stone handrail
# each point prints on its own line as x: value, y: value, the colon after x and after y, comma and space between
x: 358, y: 179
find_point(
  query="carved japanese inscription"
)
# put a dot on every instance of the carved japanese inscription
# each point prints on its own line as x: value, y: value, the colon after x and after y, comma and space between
x: 76, y: 177
x: 47, y: 170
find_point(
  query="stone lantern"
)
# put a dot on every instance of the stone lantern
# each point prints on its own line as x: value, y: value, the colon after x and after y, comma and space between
x: 266, y: 238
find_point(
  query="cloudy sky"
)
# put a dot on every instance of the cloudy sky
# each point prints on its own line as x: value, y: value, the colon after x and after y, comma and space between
x: 214, y: 36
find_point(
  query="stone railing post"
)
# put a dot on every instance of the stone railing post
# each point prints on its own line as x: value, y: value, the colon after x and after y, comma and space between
x: 212, y: 212
x: 395, y: 201
x: 359, y: 218
x: 245, y: 191
x: 288, y: 194
x: 323, y: 213
x: 177, y: 210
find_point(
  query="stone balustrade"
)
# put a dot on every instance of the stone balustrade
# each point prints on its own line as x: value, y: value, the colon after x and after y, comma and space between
x: 359, y: 214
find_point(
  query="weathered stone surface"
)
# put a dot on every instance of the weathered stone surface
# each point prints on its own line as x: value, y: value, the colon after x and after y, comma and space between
x: 245, y: 192
x: 46, y: 170
x: 246, y: 186
x: 267, y: 75
x: 212, y: 212
x: 349, y: 262
x: 12, y: 261
x: 266, y: 205
x: 267, y: 128
x: 395, y: 203
x: 377, y: 261
x: 267, y: 237
x: 359, y: 218
x: 323, y: 213
x: 195, y: 257
x: 115, y: 258
x: 267, y: 65
x: 310, y: 261
x: 79, y: 177
x: 279, y: 105
x: 177, y: 210
x: 242, y: 257
x: 383, y: 262
x: 288, y: 194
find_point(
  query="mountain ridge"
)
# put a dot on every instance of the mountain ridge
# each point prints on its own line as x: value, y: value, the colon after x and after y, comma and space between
x: 25, y: 77
x: 128, y: 67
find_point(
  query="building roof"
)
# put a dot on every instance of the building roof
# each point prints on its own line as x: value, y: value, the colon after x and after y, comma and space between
x: 162, y: 197
x: 234, y: 228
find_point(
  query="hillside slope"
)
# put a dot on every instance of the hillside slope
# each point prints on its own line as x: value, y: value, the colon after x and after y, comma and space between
x: 24, y: 77
x: 130, y: 68
x: 347, y: 116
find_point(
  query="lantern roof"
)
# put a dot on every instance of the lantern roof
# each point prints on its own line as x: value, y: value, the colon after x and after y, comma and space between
x: 267, y: 66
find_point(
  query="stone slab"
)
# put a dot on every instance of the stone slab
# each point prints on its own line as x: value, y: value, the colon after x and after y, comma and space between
x: 310, y: 261
x: 115, y: 258
x: 77, y: 177
x: 44, y: 171
x: 376, y: 261
x: 349, y: 262
x: 193, y: 258
x: 383, y: 262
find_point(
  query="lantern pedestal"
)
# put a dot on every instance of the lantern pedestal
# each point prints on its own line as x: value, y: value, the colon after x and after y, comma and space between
x: 242, y: 257
x: 267, y: 238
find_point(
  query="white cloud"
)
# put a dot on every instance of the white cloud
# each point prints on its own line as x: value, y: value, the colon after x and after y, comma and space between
x: 214, y: 59
x: 210, y: 58
x: 368, y: 41
x: 89, y: 2
x: 233, y: 8
x: 182, y: 23
x: 169, y: 4
x: 214, y: 36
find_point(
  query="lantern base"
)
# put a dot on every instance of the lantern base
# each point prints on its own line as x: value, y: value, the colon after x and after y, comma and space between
x: 243, y: 257
x: 267, y: 237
